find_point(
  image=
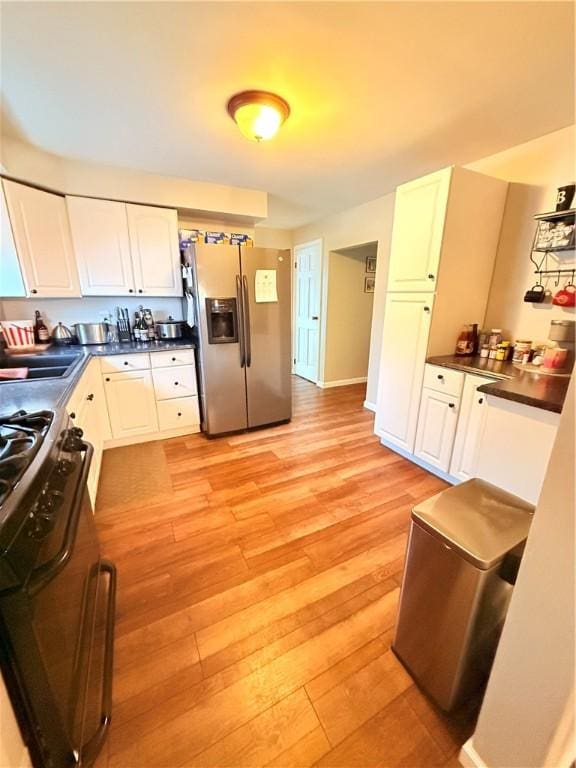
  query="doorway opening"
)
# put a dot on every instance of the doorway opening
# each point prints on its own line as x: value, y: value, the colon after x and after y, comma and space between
x: 349, y: 305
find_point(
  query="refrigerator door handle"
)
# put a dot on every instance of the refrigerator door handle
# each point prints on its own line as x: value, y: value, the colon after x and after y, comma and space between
x: 247, y: 339
x: 240, y: 322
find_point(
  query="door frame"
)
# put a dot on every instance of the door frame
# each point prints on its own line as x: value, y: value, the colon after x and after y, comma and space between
x: 318, y: 242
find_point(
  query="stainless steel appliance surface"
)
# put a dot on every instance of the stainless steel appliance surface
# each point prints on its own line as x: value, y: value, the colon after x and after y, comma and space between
x: 243, y: 308
x: 62, y: 335
x: 92, y: 333
x: 463, y: 553
x: 57, y: 595
x: 170, y: 329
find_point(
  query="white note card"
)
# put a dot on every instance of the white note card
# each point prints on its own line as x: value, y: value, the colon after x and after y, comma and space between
x: 265, y: 286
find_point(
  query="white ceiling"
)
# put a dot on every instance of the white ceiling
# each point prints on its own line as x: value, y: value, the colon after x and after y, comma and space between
x: 380, y: 92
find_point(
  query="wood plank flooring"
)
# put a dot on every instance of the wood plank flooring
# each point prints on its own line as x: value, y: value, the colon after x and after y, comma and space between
x: 257, y: 600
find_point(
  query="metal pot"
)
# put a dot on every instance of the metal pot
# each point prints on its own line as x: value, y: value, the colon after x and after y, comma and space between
x: 92, y: 333
x: 62, y: 335
x: 170, y: 329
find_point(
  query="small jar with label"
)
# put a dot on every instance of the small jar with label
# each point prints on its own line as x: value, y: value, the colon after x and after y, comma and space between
x: 521, y: 347
x: 484, y: 350
x: 500, y: 353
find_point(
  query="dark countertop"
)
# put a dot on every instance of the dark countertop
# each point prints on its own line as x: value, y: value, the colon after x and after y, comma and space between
x: 511, y: 383
x: 51, y: 394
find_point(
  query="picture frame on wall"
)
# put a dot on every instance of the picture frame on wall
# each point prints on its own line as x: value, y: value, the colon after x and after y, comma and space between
x: 369, y: 283
x: 371, y: 264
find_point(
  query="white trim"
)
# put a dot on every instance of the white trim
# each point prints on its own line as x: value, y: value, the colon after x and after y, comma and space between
x: 468, y: 756
x: 341, y: 382
x: 415, y: 460
x: 295, y: 248
x: 150, y: 437
x: 369, y: 405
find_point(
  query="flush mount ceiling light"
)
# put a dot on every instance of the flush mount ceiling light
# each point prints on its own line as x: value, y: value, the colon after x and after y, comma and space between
x: 258, y: 114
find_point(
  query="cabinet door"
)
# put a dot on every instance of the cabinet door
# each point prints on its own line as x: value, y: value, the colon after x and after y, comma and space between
x: 155, y: 250
x: 131, y: 403
x: 102, y: 246
x: 43, y: 242
x: 404, y: 343
x: 470, y: 426
x: 419, y: 213
x: 11, y: 282
x: 436, y: 428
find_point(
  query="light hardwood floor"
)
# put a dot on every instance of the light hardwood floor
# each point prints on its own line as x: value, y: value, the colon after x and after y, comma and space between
x: 257, y: 600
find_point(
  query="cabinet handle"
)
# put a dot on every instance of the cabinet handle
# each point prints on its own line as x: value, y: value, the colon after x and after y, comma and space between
x: 440, y: 376
x: 175, y: 383
x: 90, y: 397
x: 33, y: 290
x: 480, y: 401
x: 126, y: 362
x: 173, y: 359
x: 130, y: 290
x: 314, y: 317
x: 179, y: 414
x: 426, y: 309
x: 107, y: 378
x: 450, y: 405
x: 140, y: 290
x: 430, y: 277
x: 72, y: 415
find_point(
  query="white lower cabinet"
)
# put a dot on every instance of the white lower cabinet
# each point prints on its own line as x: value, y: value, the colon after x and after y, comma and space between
x: 177, y: 413
x: 131, y: 403
x: 404, y: 342
x: 470, y: 425
x: 87, y: 409
x: 151, y: 396
x: 436, y: 428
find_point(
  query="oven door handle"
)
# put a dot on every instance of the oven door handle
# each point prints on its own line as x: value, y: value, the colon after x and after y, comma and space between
x: 92, y: 747
x: 48, y: 571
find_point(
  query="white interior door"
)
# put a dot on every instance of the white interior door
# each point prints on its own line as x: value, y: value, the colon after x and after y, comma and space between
x: 308, y: 260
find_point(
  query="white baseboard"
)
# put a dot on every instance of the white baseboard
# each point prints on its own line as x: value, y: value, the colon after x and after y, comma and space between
x: 341, y: 382
x: 370, y: 406
x: 150, y: 437
x: 469, y: 758
x: 415, y: 460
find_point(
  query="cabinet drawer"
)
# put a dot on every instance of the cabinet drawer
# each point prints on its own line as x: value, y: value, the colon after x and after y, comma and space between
x: 172, y: 357
x: 180, y: 412
x: 179, y: 381
x: 443, y: 380
x: 139, y: 361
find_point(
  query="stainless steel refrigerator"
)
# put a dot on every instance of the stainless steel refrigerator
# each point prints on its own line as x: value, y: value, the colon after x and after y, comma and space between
x: 243, y: 312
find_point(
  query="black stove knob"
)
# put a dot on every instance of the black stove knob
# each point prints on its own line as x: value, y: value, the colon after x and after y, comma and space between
x: 40, y: 525
x: 65, y: 467
x: 49, y: 501
x: 73, y: 439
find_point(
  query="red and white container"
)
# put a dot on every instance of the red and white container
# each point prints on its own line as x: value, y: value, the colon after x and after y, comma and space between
x: 18, y: 334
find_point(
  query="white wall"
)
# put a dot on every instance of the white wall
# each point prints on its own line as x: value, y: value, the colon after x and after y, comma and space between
x: 531, y: 687
x: 77, y: 177
x: 370, y: 222
x: 535, y: 169
x: 349, y: 315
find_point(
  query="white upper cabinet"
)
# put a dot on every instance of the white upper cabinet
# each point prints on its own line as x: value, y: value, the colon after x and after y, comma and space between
x: 11, y: 281
x: 102, y: 246
x: 404, y: 341
x: 42, y: 235
x: 155, y: 250
x: 419, y: 215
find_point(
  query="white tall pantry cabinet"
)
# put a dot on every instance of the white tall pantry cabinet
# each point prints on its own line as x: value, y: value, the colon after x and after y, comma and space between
x: 444, y: 240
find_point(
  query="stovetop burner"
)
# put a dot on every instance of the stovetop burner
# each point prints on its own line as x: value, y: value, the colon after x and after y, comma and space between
x: 21, y: 435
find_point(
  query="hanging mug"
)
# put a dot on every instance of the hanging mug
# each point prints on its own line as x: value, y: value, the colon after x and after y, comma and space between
x: 566, y: 297
x: 535, y: 295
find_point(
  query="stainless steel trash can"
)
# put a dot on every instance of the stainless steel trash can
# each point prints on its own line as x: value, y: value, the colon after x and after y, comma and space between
x: 456, y: 586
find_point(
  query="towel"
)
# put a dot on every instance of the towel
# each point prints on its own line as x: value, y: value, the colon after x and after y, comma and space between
x: 190, y: 310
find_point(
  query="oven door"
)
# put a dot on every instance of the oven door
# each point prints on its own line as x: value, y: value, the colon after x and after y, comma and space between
x: 61, y: 631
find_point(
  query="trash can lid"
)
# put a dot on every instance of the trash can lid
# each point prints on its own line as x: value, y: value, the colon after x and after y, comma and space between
x: 478, y: 519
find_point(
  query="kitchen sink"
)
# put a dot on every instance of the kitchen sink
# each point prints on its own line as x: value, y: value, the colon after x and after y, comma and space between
x: 44, y: 365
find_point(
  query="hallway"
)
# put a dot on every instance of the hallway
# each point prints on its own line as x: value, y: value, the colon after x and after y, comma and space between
x: 258, y: 583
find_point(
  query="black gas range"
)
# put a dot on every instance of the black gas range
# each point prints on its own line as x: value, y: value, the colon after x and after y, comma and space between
x: 57, y: 595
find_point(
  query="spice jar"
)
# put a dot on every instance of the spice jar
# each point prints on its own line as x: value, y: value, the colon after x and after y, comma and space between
x: 500, y: 353
x: 484, y: 350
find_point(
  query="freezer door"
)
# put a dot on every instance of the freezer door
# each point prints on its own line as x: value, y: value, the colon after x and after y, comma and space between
x: 222, y: 380
x: 266, y: 274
